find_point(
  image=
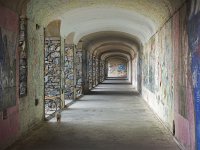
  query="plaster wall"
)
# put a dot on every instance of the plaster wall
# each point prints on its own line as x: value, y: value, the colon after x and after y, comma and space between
x: 31, y: 113
x: 194, y: 52
x: 167, y: 78
x: 9, y: 127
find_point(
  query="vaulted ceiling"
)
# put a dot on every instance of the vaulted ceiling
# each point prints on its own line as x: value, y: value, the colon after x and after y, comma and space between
x: 103, y: 25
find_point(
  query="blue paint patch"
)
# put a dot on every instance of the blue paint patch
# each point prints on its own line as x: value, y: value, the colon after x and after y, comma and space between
x: 121, y: 67
x: 194, y: 44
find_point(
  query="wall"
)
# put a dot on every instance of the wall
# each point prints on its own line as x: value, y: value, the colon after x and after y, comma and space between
x: 9, y: 127
x: 194, y: 52
x: 167, y: 79
x: 134, y: 72
x: 32, y: 113
x: 117, y: 68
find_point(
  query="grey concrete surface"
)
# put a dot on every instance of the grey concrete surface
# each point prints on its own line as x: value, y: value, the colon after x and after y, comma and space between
x: 111, y: 117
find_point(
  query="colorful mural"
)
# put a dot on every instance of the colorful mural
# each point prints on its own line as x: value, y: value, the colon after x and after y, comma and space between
x: 52, y: 67
x: 94, y: 71
x: 9, y: 100
x: 79, y: 74
x: 23, y: 70
x: 97, y: 72
x: 194, y: 47
x: 117, y: 68
x: 102, y: 70
x: 69, y: 71
x: 90, y: 71
x: 8, y: 42
x: 167, y: 76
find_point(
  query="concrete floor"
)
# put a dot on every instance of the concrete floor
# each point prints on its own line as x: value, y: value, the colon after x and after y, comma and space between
x: 112, y: 117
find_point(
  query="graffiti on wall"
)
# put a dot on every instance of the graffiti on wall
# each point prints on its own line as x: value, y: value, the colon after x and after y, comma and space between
x: 79, y: 74
x: 69, y: 71
x: 117, y: 68
x: 158, y: 73
x: 7, y: 68
x: 52, y: 67
x: 22, y: 59
x: 102, y: 70
x: 152, y: 66
x: 94, y: 71
x: 97, y: 71
x: 90, y: 71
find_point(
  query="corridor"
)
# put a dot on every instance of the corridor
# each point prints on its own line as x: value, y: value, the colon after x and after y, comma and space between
x: 124, y: 73
x: 111, y: 117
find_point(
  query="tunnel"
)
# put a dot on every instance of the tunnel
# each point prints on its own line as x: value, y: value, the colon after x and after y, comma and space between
x: 123, y: 74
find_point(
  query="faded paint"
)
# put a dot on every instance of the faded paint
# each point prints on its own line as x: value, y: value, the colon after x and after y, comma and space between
x: 172, y: 98
x: 30, y: 113
x: 69, y: 71
x: 194, y: 47
x: 117, y: 68
x: 184, y: 108
x: 9, y: 128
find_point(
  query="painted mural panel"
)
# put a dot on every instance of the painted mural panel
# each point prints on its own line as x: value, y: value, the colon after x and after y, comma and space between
x: 69, y: 71
x: 158, y: 73
x: 52, y: 67
x: 194, y: 46
x: 152, y: 64
x: 93, y: 71
x: 90, y: 71
x: 102, y: 69
x: 117, y: 68
x: 145, y: 67
x: 79, y: 74
x: 97, y: 72
x: 8, y: 42
x: 23, y: 70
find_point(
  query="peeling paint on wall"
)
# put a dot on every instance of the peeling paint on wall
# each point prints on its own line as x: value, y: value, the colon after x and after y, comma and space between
x: 172, y: 97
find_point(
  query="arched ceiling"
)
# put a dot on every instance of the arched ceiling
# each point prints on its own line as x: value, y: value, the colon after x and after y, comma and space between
x: 100, y: 42
x: 115, y: 55
x: 141, y: 18
x: 98, y: 39
x: 114, y: 49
